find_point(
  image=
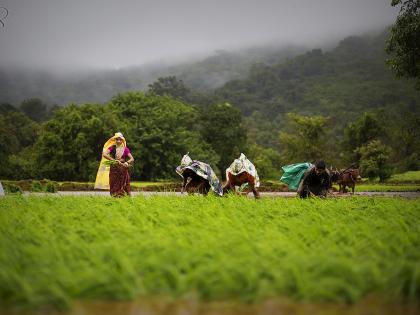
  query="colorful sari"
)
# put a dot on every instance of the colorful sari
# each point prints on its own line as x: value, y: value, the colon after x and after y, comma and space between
x: 119, y: 181
x: 116, y: 177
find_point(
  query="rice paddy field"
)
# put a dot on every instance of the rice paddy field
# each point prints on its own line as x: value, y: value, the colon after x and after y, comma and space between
x: 58, y: 251
x: 371, y: 187
x: 407, y: 177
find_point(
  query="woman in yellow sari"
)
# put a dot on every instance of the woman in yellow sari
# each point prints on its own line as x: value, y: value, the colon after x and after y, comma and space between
x: 115, y: 176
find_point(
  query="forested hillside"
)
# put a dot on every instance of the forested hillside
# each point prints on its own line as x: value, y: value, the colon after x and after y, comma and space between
x: 342, y: 105
x: 342, y: 83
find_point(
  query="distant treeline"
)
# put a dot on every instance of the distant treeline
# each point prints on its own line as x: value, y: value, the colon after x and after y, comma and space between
x: 160, y: 129
x: 344, y: 106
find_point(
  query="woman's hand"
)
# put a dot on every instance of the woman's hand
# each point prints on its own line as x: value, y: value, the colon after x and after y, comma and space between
x: 125, y: 164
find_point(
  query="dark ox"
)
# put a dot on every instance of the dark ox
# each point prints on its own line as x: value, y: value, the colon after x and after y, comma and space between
x: 346, y: 178
x: 238, y: 180
x: 194, y: 183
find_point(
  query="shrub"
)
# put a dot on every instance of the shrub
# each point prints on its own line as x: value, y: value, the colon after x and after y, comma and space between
x: 36, y: 186
x: 12, y: 189
x: 51, y: 187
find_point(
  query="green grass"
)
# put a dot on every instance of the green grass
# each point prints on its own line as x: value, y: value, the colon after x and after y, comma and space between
x: 382, y: 187
x: 407, y: 177
x: 148, y: 184
x: 57, y: 250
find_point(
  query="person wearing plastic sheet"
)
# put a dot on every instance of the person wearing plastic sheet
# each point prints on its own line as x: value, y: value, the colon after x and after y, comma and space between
x: 315, y: 182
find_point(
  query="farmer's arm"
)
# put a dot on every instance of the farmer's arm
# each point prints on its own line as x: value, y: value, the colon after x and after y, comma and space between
x: 106, y: 155
x: 130, y: 158
x: 184, y: 183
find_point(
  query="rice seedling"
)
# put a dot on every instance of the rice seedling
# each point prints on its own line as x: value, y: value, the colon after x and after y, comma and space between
x: 57, y: 250
x: 384, y: 187
x: 109, y: 162
x: 407, y: 177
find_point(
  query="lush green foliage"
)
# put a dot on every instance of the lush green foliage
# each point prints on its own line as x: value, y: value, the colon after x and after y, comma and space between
x: 342, y: 83
x: 159, y: 130
x: 317, y: 105
x: 386, y: 187
x: 70, y: 143
x: 17, y: 132
x: 404, y: 40
x: 221, y: 127
x: 374, y: 157
x: 357, y: 134
x: 396, y: 130
x: 55, y: 250
x: 306, y: 139
x: 170, y: 86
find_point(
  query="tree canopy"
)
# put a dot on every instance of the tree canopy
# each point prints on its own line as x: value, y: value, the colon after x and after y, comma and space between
x: 339, y: 105
x: 404, y: 41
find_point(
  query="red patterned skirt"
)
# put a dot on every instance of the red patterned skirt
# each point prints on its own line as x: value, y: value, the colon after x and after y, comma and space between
x: 119, y: 181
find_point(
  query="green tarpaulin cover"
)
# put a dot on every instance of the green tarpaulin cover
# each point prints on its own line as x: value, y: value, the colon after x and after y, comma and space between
x: 293, y: 174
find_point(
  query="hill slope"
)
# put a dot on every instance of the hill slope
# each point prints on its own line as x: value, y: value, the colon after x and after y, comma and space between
x: 343, y: 82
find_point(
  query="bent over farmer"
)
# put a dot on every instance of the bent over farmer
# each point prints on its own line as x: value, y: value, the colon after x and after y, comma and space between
x: 315, y: 181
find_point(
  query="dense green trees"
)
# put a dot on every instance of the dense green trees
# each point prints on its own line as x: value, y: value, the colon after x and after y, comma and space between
x: 221, y: 127
x: 398, y: 136
x: 70, y: 143
x: 305, y: 139
x: 357, y: 134
x: 404, y: 40
x: 170, y: 86
x: 17, y: 133
x: 341, y: 105
x: 374, y: 158
x: 160, y: 130
x: 341, y: 83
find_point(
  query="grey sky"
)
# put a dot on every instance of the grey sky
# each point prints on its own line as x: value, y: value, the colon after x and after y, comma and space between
x: 118, y: 33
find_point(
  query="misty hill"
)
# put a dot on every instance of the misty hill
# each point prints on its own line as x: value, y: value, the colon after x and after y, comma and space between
x: 342, y: 83
x: 99, y: 86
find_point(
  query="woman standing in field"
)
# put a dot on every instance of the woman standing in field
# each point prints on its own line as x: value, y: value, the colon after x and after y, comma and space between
x: 113, y: 171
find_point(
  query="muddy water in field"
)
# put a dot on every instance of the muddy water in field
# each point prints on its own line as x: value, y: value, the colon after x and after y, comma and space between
x: 193, y: 307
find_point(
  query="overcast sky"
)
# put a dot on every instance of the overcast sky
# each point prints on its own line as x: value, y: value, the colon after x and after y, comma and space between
x: 119, y: 33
